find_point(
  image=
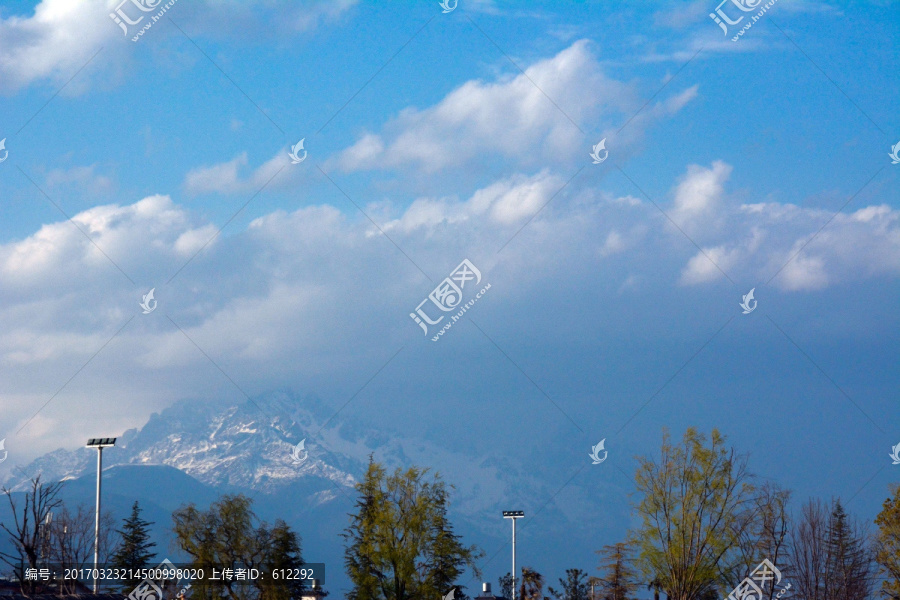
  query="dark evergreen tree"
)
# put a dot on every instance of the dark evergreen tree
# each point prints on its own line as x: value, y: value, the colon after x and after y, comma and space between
x: 848, y: 562
x: 506, y: 586
x: 134, y: 549
x: 282, y: 556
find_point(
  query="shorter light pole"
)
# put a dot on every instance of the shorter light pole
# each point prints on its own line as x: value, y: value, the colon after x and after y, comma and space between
x: 99, y: 444
x: 513, y: 514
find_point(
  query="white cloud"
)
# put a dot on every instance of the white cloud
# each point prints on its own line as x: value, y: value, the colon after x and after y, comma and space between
x: 61, y: 36
x: 60, y: 253
x: 53, y: 43
x: 226, y: 178
x: 698, y: 197
x: 513, y: 119
x: 505, y: 202
x: 756, y: 241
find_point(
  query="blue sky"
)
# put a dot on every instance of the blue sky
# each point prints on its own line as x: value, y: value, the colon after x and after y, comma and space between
x: 436, y: 137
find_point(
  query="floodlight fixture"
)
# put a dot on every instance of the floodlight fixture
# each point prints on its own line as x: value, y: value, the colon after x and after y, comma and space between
x: 513, y: 514
x: 99, y: 444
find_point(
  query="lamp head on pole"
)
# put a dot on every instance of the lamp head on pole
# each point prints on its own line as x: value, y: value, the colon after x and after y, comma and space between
x: 513, y: 514
x: 101, y: 442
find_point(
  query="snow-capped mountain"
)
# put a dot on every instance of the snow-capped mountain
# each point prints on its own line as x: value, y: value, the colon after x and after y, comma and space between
x: 243, y: 447
x: 250, y: 447
x: 195, y: 450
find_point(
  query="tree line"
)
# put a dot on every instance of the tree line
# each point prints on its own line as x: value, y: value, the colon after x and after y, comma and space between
x: 704, y: 522
x: 227, y: 535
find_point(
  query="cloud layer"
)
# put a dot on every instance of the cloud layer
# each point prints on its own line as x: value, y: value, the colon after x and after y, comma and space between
x: 322, y: 287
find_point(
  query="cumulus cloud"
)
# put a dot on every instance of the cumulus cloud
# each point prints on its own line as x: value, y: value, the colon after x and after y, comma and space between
x: 61, y: 36
x: 61, y: 253
x: 512, y: 118
x: 53, y: 43
x: 759, y: 240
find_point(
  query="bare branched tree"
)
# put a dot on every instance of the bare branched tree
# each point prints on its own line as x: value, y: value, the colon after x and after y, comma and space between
x: 830, y: 556
x: 26, y: 532
x: 71, y: 539
x: 764, y: 537
x: 809, y: 554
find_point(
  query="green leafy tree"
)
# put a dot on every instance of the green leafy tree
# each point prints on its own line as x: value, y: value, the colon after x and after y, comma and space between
x: 229, y: 535
x: 697, y: 500
x: 887, y: 545
x: 134, y: 551
x: 400, y: 543
x: 505, y: 584
x: 618, y: 580
x: 574, y: 587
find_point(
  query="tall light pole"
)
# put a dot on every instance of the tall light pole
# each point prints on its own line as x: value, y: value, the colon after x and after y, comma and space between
x: 99, y: 444
x: 513, y: 514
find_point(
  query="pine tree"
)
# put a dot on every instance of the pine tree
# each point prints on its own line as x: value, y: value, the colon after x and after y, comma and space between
x: 134, y: 551
x: 282, y: 555
x: 448, y: 557
x: 848, y: 561
x: 618, y: 581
